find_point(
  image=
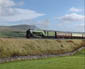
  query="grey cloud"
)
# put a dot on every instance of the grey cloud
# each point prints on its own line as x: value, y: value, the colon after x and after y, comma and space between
x: 73, y: 17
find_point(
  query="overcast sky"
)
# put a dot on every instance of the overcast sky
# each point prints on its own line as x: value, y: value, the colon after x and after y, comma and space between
x: 60, y: 15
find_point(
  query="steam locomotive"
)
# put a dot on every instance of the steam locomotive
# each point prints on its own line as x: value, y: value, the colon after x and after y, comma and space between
x: 53, y: 34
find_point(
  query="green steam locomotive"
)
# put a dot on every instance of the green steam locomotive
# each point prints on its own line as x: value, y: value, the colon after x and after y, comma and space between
x: 53, y: 34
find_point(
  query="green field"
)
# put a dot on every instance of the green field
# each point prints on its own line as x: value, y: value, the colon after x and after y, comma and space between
x: 11, y: 34
x: 14, y: 31
x: 10, y: 47
x: 67, y: 62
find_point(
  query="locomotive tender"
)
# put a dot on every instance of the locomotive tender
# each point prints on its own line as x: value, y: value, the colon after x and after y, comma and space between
x: 53, y: 34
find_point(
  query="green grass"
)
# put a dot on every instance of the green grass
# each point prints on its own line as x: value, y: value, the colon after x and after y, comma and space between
x: 80, y: 53
x: 10, y: 34
x: 19, y: 47
x: 76, y: 61
x: 68, y: 62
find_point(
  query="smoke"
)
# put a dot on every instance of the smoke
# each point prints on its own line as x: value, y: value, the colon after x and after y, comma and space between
x: 43, y: 24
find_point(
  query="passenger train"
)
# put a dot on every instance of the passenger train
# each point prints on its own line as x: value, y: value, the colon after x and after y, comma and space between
x: 54, y: 34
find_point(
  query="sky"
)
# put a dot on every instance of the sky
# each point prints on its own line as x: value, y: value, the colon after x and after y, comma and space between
x: 60, y: 15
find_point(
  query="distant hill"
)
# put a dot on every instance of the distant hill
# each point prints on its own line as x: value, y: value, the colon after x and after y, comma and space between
x: 15, y: 31
x: 17, y: 27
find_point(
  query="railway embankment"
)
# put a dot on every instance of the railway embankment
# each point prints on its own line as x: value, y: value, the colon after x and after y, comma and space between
x: 21, y: 49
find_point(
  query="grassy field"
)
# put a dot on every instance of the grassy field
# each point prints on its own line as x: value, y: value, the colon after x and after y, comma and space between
x: 10, y: 47
x: 11, y: 34
x: 67, y: 62
x: 23, y: 47
x: 15, y: 31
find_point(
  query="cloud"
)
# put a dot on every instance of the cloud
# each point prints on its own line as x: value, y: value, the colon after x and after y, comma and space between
x: 74, y: 9
x: 72, y: 17
x: 82, y: 24
x: 17, y: 14
x: 9, y: 12
x: 7, y: 3
x: 72, y: 22
x: 21, y: 3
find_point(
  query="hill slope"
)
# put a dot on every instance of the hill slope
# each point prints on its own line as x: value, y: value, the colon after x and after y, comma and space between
x: 23, y: 47
x: 15, y: 31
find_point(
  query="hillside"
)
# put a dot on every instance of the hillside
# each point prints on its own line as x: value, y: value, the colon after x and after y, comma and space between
x: 67, y: 62
x: 23, y: 47
x: 15, y: 31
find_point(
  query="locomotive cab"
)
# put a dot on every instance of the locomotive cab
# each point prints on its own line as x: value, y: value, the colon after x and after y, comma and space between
x: 28, y: 34
x: 35, y: 33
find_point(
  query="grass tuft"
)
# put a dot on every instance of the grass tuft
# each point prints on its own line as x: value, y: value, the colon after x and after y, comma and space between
x: 10, y: 47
